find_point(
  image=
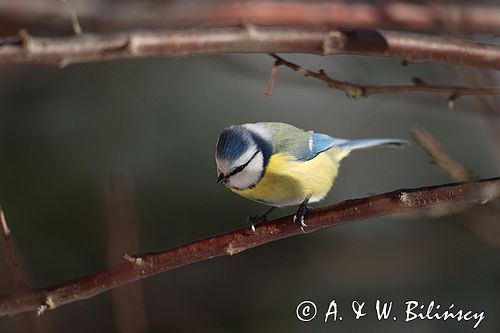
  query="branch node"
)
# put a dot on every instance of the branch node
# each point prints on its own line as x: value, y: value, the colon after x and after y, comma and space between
x: 232, y: 250
x: 134, y: 260
x: 334, y: 41
x: 355, y: 92
x: 405, y: 199
x: 26, y: 39
x: 131, y: 45
x: 41, y: 309
x: 251, y: 31
x: 47, y: 304
x: 489, y: 193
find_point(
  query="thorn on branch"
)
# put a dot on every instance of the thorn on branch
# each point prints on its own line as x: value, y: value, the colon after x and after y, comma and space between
x: 41, y: 310
x: 323, y: 74
x: 134, y: 260
x: 47, y: 304
x: 75, y: 23
x: 5, y: 227
x: 452, y: 100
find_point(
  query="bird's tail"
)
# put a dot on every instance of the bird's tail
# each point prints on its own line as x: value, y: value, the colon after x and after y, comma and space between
x: 367, y: 143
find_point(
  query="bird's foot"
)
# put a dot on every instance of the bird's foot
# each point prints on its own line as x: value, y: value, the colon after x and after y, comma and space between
x: 257, y: 219
x: 300, y: 215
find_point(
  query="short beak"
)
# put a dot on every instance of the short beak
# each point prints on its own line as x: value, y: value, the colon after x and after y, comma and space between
x: 222, y: 178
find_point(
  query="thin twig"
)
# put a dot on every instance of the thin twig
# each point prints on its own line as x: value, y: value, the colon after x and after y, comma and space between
x: 468, y: 17
x: 272, y: 78
x: 414, y: 48
x: 399, y: 201
x: 355, y: 90
x: 439, y: 157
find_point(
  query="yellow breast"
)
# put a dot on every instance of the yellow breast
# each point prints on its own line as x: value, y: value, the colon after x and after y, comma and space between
x: 288, y: 182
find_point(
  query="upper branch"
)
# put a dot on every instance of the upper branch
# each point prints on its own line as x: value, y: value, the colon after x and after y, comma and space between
x: 249, y: 39
x: 94, y: 14
x: 233, y: 242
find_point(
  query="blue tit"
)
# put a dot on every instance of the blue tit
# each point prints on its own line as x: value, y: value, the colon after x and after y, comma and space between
x: 281, y: 165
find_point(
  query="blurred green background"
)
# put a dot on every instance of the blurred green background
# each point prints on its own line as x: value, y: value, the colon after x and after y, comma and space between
x: 63, y: 132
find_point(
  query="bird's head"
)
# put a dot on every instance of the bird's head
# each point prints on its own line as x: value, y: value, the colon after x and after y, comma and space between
x: 241, y: 155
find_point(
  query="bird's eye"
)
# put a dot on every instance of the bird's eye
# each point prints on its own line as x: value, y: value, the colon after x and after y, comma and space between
x: 241, y: 167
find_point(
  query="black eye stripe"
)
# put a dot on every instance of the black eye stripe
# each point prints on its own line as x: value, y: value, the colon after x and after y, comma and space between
x: 241, y: 167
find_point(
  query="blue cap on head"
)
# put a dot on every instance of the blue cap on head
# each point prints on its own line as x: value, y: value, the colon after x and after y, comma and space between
x: 233, y: 142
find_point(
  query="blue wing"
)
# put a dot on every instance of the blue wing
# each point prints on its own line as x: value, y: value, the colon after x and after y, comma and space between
x: 321, y: 142
x: 318, y: 143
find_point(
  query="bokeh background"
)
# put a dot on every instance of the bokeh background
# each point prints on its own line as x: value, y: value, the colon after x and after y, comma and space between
x: 155, y: 122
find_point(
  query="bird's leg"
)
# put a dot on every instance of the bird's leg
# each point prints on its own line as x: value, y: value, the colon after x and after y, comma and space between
x: 300, y: 215
x: 256, y: 219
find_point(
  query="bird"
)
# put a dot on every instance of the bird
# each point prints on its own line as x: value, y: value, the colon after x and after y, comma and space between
x: 280, y: 165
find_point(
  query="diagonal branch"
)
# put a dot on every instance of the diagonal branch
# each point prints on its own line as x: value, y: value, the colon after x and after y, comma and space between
x: 61, y: 51
x: 438, y: 155
x: 354, y: 90
x: 140, y: 267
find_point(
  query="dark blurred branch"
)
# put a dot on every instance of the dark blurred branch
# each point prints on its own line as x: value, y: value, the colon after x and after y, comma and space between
x: 439, y: 157
x: 139, y: 267
x: 95, y: 14
x: 355, y: 90
x: 61, y: 51
x: 123, y: 237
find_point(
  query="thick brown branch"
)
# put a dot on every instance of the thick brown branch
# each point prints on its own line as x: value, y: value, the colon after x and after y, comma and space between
x: 400, y: 201
x: 94, y: 14
x: 355, y: 90
x: 27, y: 49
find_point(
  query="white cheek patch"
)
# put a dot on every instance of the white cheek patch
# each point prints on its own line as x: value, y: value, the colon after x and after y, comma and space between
x: 250, y: 175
